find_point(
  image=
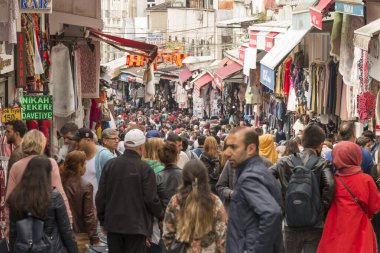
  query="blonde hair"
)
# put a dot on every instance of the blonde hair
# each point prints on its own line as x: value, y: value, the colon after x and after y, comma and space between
x: 152, y: 145
x: 33, y: 143
x: 211, y: 147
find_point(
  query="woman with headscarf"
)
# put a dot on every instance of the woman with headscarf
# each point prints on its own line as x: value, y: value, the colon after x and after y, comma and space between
x: 348, y: 225
x: 267, y: 148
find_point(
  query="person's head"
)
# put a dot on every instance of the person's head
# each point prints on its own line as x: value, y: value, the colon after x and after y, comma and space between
x: 201, y: 141
x: 135, y: 140
x: 291, y: 148
x: 364, y: 142
x: 267, y: 148
x: 259, y: 131
x: 185, y: 143
x: 347, y: 158
x: 33, y: 193
x: 241, y: 144
x: 110, y: 139
x: 152, y: 145
x: 74, y: 166
x: 347, y: 131
x: 68, y: 132
x: 195, y: 200
x: 34, y: 143
x: 85, y: 139
x: 15, y: 131
x: 175, y: 139
x: 168, y: 153
x: 313, y: 138
x: 371, y: 136
x: 211, y: 147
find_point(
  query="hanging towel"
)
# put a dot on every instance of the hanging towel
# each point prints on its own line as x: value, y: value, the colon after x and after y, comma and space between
x: 38, y: 68
x: 62, y: 88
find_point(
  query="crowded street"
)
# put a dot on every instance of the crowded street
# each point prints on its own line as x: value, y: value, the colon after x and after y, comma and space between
x: 189, y: 126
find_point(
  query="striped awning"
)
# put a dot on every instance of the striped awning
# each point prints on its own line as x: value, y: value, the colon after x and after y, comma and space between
x: 201, y: 82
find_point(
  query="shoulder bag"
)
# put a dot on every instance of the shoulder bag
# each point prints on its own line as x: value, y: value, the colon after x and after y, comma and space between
x: 353, y: 196
x: 175, y: 247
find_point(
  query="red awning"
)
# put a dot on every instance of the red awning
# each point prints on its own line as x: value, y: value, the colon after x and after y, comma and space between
x: 269, y: 40
x: 316, y: 12
x: 185, y: 75
x: 228, y: 70
x: 150, y: 50
x: 205, y: 79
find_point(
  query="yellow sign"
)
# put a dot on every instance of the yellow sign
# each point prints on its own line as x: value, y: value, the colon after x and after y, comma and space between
x: 9, y: 114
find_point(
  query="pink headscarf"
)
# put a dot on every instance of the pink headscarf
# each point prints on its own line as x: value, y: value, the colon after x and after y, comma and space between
x: 347, y: 157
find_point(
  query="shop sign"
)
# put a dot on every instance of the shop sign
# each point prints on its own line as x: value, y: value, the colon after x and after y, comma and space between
x: 157, y: 39
x: 253, y: 39
x: 267, y: 77
x: 6, y: 63
x: 36, y: 6
x: 9, y: 114
x: 242, y: 53
x: 37, y: 107
x: 349, y: 8
x: 316, y: 18
x: 20, y: 61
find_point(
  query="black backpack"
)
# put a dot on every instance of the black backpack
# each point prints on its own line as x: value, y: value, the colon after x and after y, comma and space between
x: 31, y: 236
x: 303, y: 206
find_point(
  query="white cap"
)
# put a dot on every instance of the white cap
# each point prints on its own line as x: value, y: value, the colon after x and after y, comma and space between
x: 134, y: 138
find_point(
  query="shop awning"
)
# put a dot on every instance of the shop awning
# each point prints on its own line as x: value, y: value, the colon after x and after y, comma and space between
x: 364, y: 34
x: 149, y: 50
x: 201, y: 82
x: 185, y: 75
x: 226, y: 71
x: 263, y: 36
x: 170, y: 78
x: 279, y: 52
x: 317, y: 12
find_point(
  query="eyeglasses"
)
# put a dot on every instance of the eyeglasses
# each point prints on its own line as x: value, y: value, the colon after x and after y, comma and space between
x: 114, y: 139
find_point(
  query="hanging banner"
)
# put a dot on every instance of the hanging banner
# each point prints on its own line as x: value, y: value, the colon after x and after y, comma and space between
x: 6, y: 63
x: 269, y: 41
x: 350, y: 8
x: 37, y: 107
x: 36, y: 6
x: 10, y: 114
x: 253, y: 39
x: 267, y: 76
x: 20, y: 61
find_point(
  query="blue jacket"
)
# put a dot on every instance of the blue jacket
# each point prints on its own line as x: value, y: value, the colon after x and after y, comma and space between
x: 255, y: 216
x: 101, y: 158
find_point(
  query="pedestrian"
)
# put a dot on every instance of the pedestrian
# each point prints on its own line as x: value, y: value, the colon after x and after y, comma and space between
x: 67, y: 131
x: 127, y: 198
x: 201, y: 141
x: 110, y: 140
x: 35, y: 194
x: 254, y: 223
x: 182, y: 157
x: 302, y: 233
x: 15, y: 131
x: 33, y: 144
x: 195, y: 218
x: 267, y: 148
x: 291, y: 148
x: 79, y: 193
x: 226, y: 184
x: 364, y: 142
x: 348, y: 225
x: 150, y: 156
x: 211, y: 159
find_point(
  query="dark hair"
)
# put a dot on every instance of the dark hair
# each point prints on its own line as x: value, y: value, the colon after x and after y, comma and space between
x: 346, y: 130
x: 369, y: 134
x: 362, y: 141
x: 313, y: 136
x: 33, y: 192
x: 18, y: 126
x: 69, y: 127
x: 185, y: 143
x: 201, y: 140
x: 291, y: 148
x: 168, y: 153
x: 70, y: 168
x: 250, y: 136
x: 259, y: 131
x: 173, y: 138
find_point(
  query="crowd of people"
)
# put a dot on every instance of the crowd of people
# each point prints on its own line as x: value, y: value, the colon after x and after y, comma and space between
x: 171, y: 183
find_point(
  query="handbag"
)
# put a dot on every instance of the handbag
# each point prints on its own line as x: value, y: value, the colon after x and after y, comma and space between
x: 353, y: 196
x: 175, y: 247
x: 97, y: 249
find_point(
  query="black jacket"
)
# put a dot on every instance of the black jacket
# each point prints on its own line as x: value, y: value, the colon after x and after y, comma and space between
x: 213, y: 167
x: 168, y: 181
x: 323, y: 171
x: 127, y: 196
x: 255, y: 216
x: 57, y: 227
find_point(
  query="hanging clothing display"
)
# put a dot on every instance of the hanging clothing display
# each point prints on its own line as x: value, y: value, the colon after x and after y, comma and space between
x: 62, y: 87
x: 9, y: 12
x: 374, y: 58
x: 181, y: 97
x: 89, y: 64
x: 366, y: 106
x: 215, y: 100
x: 198, y: 105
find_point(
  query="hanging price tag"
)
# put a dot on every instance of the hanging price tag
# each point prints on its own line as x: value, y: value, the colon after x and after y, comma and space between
x: 9, y: 114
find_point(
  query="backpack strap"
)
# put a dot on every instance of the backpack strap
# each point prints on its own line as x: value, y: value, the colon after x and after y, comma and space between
x: 296, y: 160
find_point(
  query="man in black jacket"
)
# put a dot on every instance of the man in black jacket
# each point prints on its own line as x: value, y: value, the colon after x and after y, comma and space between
x: 255, y: 216
x: 306, y: 240
x: 127, y: 198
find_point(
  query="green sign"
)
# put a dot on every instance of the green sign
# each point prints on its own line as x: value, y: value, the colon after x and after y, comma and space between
x: 37, y: 107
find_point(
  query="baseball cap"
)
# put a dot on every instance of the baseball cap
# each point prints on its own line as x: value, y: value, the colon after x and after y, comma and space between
x: 83, y: 133
x: 153, y: 134
x: 134, y: 138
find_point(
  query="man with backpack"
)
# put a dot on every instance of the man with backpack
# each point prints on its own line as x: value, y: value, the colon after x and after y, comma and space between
x: 307, y: 184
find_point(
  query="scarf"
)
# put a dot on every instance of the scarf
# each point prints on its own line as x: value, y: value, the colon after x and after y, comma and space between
x: 347, y: 157
x: 267, y: 148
